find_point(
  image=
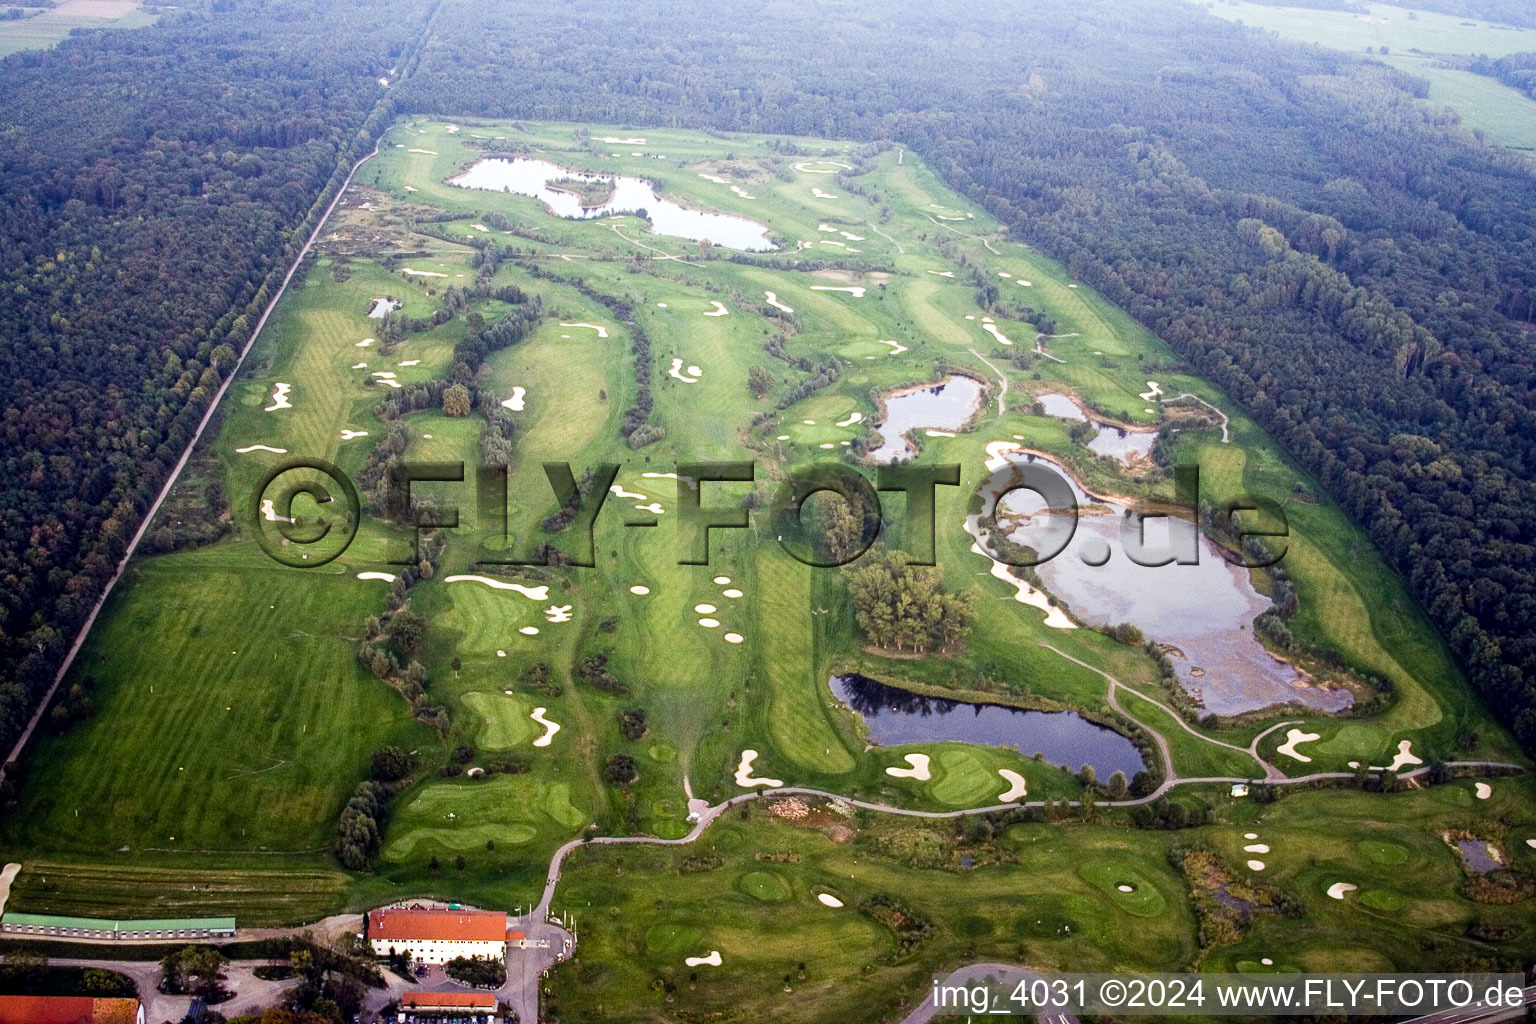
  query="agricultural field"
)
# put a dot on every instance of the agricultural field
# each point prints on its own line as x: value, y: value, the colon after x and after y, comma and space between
x: 43, y: 27
x: 235, y: 718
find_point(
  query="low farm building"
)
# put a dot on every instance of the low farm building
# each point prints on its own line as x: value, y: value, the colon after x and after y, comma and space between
x: 437, y: 936
x: 55, y: 926
x: 425, y: 1007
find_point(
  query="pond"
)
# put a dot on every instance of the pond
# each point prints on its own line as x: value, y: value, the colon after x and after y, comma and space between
x: 896, y: 716
x: 1061, y: 407
x: 1129, y: 446
x: 382, y: 307
x: 1204, y: 612
x: 1478, y: 855
x: 947, y: 405
x: 528, y: 177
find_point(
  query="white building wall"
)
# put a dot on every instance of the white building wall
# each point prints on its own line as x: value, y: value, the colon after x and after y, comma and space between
x: 440, y: 951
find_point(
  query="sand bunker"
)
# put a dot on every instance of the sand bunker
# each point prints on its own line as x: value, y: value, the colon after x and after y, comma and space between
x: 918, y: 770
x: 897, y: 348
x: 621, y: 492
x: 269, y: 512
x: 261, y: 448
x: 1531, y: 843
x: 692, y: 377
x: 1153, y: 390
x: 429, y: 152
x: 654, y: 508
x: 708, y: 623
x: 421, y: 273
x: 942, y: 273
x: 1256, y: 848
x: 722, y: 580
x: 704, y: 609
x: 639, y: 590
x: 550, y: 728
x: 851, y: 420
x: 715, y: 178
x: 1003, y: 273
x: 540, y: 593
x: 991, y: 329
x: 804, y: 167
x: 1255, y: 865
x: 1250, y: 835
x: 851, y: 237
x: 515, y: 403
x: 1405, y: 757
x: 280, y: 397
x: 661, y: 305
x: 502, y: 654
x: 930, y: 432
x: 1025, y: 283
x: 1484, y: 791
x: 742, y: 192
x: 529, y: 631
x: 1293, y: 737
x: 359, y: 366
x: 1338, y: 889
x: 1016, y: 790
x: 407, y: 188
x: 732, y: 593
x: 713, y: 960
x: 347, y: 435
x: 480, y: 227
x: 719, y: 309
x: 558, y: 613
x: 819, y: 194
x: 840, y: 245
x: 612, y: 141
x: 828, y: 900
x: 411, y: 362
x: 746, y: 779
x: 734, y: 638
x: 773, y: 300
x: 857, y: 291
x: 602, y: 332
x: 364, y: 344
x: 386, y: 577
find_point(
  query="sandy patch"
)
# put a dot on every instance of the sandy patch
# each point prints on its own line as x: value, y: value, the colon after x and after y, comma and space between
x: 515, y: 403
x: 269, y: 513
x: 829, y: 445
x: 719, y: 309
x: 1484, y: 791
x: 621, y: 492
x: 713, y: 960
x: 529, y: 631
x: 804, y: 168
x: 734, y: 638
x: 704, y: 609
x: 857, y: 291
x: 261, y: 448
x: 942, y: 273
x: 1293, y: 737
x: 930, y: 432
x: 558, y: 613
x: 1255, y: 865
x: 539, y: 593
x: 407, y: 188
x: 639, y: 590
x: 7, y: 876
x: 550, y: 728
x: 773, y: 300
x: 853, y: 418
x: 693, y: 484
x: 677, y: 371
x: 722, y: 580
x: 991, y: 329
x: 613, y: 141
x: 918, y: 768
x: 819, y: 194
x: 851, y: 237
x: 1256, y: 848
x: 1153, y: 390
x: 1003, y: 273
x: 742, y: 192
x: 715, y: 178
x: 347, y: 435
x: 364, y: 344
x: 1404, y: 757
x: 840, y: 245
x: 1250, y: 835
x: 602, y: 332
x: 828, y: 900
x: 709, y: 623
x: 732, y: 593
x: 1025, y: 283
x: 421, y: 273
x: 1338, y: 889
x: 746, y: 779
x: 359, y: 366
x: 897, y: 348
x: 1017, y: 790
x: 661, y: 305
x: 385, y: 576
x: 480, y: 227
x: 280, y: 397
x: 502, y: 654
x: 410, y: 362
x: 429, y: 152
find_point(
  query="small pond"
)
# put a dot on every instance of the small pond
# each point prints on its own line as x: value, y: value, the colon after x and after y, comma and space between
x: 382, y: 307
x: 1478, y: 855
x: 1129, y: 446
x: 896, y: 716
x: 528, y: 177
x: 947, y: 405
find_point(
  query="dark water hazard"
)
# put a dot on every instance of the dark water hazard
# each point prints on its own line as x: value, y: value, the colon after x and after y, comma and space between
x: 1477, y: 856
x: 527, y: 177
x: 947, y: 405
x: 1205, y: 611
x: 896, y: 716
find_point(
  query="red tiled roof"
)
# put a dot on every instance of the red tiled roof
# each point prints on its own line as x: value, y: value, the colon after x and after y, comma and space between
x: 438, y: 925
x: 67, y: 1010
x: 448, y: 1001
x: 514, y: 936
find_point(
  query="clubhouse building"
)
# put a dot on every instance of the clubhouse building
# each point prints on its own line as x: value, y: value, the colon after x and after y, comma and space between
x: 434, y: 936
x: 430, y: 1007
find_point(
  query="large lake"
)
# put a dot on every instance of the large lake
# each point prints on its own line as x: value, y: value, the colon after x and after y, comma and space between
x: 896, y: 716
x: 525, y: 176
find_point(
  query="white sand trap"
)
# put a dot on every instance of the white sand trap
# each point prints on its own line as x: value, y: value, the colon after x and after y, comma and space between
x: 411, y: 362
x: 261, y: 448
x: 385, y: 576
x: 359, y: 366
x: 708, y: 623
x: 1267, y: 962
x: 654, y: 508
x: 897, y: 348
x: 704, y: 609
x: 429, y: 152
x: 1293, y: 737
x: 480, y: 227
x: 1153, y: 390
x: 558, y: 613
x: 1531, y: 843
x: 280, y: 397
x: 602, y: 332
x: 851, y: 420
x: 639, y: 590
x: 828, y: 900
x: 1071, y: 286
x: 773, y: 300
x: 782, y: 437
x: 661, y: 305
x: 1405, y: 756
x: 829, y: 445
x: 269, y: 512
x: 364, y: 343
x: 384, y: 374
x: 819, y: 194
x: 1484, y: 791
x: 827, y: 228
x: 942, y: 273
x: 529, y: 631
x: 421, y: 273
x: 502, y: 654
x: 804, y: 169
x: 732, y: 593
x: 407, y: 188
x: 918, y: 770
x: 1256, y: 848
x: 1338, y: 889
x: 734, y: 638
x: 715, y: 178
x: 713, y: 960
x: 1026, y: 284
x: 1016, y: 790
x: 550, y: 728
x: 677, y: 371
x: 621, y: 492
x: 515, y: 403
x: 719, y: 309
x: 999, y: 335
x: 840, y: 245
x: 347, y: 435
x: 970, y: 316
x: 612, y: 141
x: 1003, y: 273
x: 389, y: 381
x: 939, y: 433
x: 540, y: 593
x: 1250, y: 835
x: 857, y: 291
x: 744, y: 776
x: 693, y: 484
x: 742, y: 192
x: 1255, y: 865
x: 851, y: 237
x: 722, y: 580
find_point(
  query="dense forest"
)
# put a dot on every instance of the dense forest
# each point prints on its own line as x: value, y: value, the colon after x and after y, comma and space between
x: 1339, y: 258
x: 157, y: 184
